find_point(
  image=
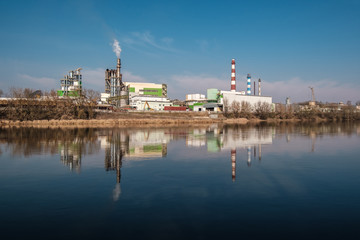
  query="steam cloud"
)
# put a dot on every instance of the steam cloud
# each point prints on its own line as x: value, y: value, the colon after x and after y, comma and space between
x: 116, y: 48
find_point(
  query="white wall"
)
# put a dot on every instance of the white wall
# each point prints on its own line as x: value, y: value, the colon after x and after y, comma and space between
x: 230, y: 96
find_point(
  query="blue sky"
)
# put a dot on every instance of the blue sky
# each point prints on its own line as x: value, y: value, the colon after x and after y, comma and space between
x: 188, y: 45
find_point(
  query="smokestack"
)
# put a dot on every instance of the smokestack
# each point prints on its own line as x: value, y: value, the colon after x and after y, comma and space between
x: 254, y: 88
x: 118, y: 66
x: 233, y: 164
x: 248, y: 85
x: 259, y: 86
x: 233, y: 84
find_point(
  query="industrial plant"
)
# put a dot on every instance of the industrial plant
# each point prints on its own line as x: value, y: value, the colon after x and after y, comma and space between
x: 151, y: 96
x: 120, y: 94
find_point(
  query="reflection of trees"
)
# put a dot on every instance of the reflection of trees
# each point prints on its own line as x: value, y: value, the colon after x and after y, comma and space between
x: 312, y: 129
x: 71, y: 143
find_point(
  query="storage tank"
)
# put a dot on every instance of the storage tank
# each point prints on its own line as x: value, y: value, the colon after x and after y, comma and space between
x: 124, y: 98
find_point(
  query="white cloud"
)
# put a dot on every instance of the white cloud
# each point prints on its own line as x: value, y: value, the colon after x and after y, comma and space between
x: 37, y: 82
x: 298, y: 90
x: 180, y: 85
x: 145, y: 40
x: 130, y: 77
x: 94, y: 79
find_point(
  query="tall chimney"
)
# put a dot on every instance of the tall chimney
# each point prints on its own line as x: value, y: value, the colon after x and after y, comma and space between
x: 233, y: 84
x: 118, y: 66
x: 248, y: 85
x: 254, y: 88
x: 259, y: 86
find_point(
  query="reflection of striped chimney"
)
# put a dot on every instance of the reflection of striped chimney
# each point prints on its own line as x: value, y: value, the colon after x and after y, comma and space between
x: 233, y: 85
x: 233, y: 164
x: 259, y: 151
x: 259, y: 86
x: 249, y: 156
x: 248, y: 85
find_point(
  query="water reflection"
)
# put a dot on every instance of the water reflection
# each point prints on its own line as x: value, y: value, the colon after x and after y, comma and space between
x: 134, y: 144
x: 189, y: 182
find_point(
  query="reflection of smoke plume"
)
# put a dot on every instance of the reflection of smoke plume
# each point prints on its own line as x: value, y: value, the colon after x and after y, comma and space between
x: 116, y: 192
x: 116, y: 48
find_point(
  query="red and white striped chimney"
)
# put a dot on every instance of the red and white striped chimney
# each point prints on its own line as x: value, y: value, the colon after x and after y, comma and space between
x: 233, y: 164
x: 233, y: 84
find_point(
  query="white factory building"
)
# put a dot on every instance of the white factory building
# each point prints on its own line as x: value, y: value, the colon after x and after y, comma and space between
x: 149, y: 103
x: 240, y: 97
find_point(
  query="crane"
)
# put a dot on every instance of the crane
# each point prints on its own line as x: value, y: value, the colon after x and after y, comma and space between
x: 312, y: 97
x: 149, y: 108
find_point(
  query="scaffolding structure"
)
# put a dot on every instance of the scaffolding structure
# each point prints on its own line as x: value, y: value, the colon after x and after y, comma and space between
x: 71, y: 84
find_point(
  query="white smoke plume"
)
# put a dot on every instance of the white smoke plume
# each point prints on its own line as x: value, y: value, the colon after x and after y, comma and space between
x: 116, y: 48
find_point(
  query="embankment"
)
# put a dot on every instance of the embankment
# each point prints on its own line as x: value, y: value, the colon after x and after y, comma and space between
x: 129, y: 119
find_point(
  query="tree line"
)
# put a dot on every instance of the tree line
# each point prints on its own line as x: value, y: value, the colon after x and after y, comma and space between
x: 28, y: 104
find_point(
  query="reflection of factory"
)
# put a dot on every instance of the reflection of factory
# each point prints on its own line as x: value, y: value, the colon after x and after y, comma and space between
x: 230, y: 139
x: 149, y: 143
x: 70, y: 155
x: 217, y: 139
x: 140, y: 144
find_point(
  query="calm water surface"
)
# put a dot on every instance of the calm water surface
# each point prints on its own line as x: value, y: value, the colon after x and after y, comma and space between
x: 251, y: 182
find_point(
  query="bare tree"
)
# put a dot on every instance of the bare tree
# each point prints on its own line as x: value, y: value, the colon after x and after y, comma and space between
x: 27, y: 93
x: 92, y: 95
x: 226, y: 107
x: 235, y: 108
x: 262, y: 110
x: 1, y: 93
x: 246, y: 109
x: 16, y: 92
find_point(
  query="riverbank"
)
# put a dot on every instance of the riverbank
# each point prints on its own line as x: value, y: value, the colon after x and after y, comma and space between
x: 148, y: 119
x: 127, y: 119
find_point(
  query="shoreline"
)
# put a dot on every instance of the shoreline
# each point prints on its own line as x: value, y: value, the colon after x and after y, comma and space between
x: 143, y: 122
x: 113, y: 122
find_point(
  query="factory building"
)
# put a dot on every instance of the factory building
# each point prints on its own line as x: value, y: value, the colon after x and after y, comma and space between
x: 147, y: 96
x: 71, y: 84
x: 195, y: 101
x: 146, y: 89
x: 236, y: 96
x: 149, y: 103
x: 216, y: 98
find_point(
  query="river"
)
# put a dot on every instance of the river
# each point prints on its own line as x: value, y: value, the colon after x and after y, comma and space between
x: 285, y: 181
